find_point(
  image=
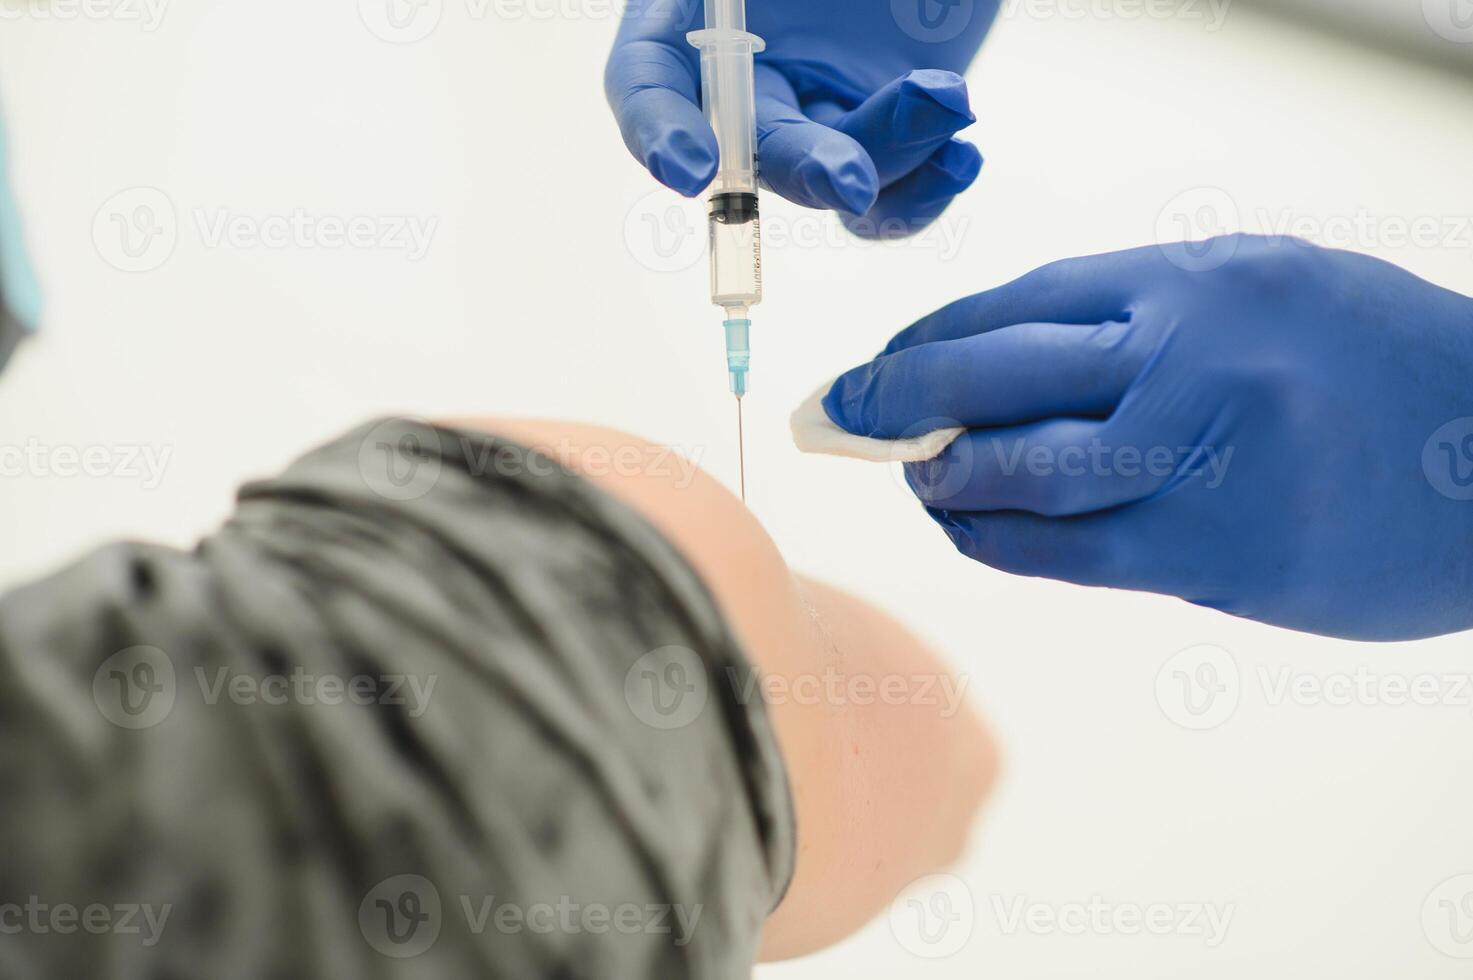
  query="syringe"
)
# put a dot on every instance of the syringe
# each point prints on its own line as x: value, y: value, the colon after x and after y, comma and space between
x: 735, y: 232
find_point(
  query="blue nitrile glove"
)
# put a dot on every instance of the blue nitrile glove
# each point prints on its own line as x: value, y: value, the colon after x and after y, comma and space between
x: 857, y: 101
x: 1285, y: 433
x: 20, y: 300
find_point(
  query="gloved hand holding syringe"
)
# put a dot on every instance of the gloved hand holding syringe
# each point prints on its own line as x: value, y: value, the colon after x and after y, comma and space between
x: 727, y: 94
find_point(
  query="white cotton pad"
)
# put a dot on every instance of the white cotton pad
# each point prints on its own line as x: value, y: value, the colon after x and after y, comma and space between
x: 815, y: 432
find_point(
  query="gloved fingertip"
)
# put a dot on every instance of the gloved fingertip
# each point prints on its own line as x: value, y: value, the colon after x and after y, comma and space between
x: 960, y: 537
x: 845, y: 401
x: 887, y: 228
x: 855, y: 196
x: 926, y: 479
x: 931, y: 104
x: 947, y: 88
x: 911, y: 204
x: 680, y: 177
x: 840, y: 176
x: 959, y: 160
x: 681, y: 160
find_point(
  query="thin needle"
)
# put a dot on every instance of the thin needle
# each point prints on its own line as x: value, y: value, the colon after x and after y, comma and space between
x: 741, y: 449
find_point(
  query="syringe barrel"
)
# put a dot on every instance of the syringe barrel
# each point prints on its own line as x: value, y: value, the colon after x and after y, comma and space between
x: 736, y: 252
x: 727, y: 94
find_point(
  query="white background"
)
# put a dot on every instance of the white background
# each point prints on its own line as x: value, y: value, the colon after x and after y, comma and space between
x: 1326, y: 828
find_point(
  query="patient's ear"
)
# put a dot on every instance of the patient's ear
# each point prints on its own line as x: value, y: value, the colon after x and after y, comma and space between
x: 887, y: 761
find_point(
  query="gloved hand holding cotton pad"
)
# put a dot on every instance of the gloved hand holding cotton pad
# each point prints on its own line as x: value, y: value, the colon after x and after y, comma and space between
x: 815, y: 432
